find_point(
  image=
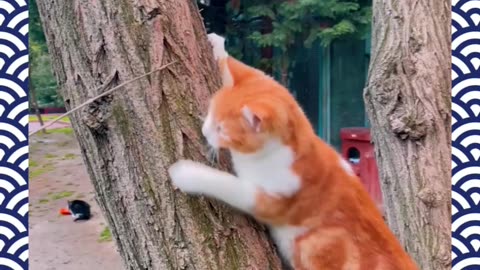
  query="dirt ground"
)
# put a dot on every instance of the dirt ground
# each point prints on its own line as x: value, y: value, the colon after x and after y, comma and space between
x: 57, y: 174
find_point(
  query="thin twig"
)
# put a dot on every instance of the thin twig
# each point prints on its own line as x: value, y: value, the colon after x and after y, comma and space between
x: 97, y: 97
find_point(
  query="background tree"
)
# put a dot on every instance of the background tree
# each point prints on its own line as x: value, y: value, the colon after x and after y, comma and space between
x: 41, y: 76
x: 408, y: 101
x: 34, y: 103
x: 129, y: 139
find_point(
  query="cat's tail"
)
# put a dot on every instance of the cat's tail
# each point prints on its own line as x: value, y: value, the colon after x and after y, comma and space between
x: 233, y: 71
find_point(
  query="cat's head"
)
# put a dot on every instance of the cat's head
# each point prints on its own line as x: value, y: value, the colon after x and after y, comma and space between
x: 245, y: 120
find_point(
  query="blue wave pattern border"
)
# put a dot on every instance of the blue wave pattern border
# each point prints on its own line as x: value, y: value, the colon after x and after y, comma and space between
x: 465, y: 134
x: 13, y: 134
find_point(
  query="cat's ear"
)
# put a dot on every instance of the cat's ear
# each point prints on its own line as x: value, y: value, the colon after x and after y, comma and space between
x: 252, y: 118
x: 218, y: 46
x: 221, y: 55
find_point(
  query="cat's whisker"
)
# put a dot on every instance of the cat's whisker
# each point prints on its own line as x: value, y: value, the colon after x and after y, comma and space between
x: 212, y: 155
x: 200, y: 117
x: 209, y: 154
x: 216, y: 155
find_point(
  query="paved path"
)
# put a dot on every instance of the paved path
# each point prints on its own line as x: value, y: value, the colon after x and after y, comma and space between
x: 34, y: 126
x: 56, y: 242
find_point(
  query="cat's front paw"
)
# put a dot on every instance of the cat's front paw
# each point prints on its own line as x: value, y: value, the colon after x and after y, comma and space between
x: 184, y: 174
x: 218, y: 45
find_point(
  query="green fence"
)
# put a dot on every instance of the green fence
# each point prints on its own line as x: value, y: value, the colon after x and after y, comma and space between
x: 328, y: 83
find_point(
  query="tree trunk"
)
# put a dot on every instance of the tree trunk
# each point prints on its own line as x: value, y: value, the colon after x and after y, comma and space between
x: 130, y: 138
x: 408, y: 101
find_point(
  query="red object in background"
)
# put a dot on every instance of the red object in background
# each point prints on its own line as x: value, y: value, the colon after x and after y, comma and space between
x: 64, y: 211
x: 358, y: 151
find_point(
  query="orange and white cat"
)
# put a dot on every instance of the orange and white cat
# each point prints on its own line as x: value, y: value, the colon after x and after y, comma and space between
x: 319, y: 214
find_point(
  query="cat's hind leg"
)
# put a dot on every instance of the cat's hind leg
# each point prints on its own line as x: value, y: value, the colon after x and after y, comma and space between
x: 327, y: 249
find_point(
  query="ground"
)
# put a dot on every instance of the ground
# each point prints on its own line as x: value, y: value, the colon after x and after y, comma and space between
x: 57, y: 174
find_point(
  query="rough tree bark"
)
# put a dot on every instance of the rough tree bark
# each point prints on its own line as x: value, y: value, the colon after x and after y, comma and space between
x: 130, y: 138
x: 408, y: 101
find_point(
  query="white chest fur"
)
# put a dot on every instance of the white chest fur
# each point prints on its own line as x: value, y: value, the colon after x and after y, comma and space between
x: 269, y: 169
x: 284, y: 237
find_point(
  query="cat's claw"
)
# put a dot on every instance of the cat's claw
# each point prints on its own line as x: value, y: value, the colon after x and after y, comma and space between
x: 218, y: 45
x: 184, y: 174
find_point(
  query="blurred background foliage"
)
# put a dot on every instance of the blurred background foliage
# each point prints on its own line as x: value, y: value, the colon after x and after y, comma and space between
x: 267, y: 29
x: 278, y: 26
x: 41, y: 73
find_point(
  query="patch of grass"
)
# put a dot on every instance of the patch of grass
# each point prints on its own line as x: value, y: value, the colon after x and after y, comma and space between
x: 66, y: 131
x: 50, y: 156
x: 80, y: 196
x: 62, y: 144
x: 61, y: 195
x: 69, y: 156
x: 43, y: 201
x: 48, y: 118
x: 32, y: 163
x: 32, y: 174
x: 33, y: 147
x: 105, y: 235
